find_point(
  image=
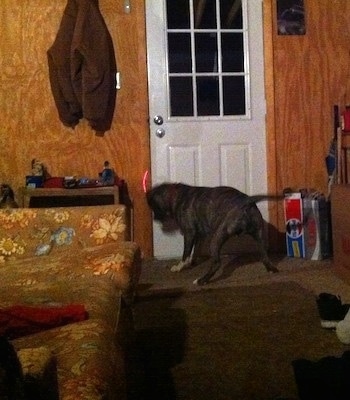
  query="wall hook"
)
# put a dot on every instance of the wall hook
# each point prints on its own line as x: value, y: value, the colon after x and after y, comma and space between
x: 127, y: 6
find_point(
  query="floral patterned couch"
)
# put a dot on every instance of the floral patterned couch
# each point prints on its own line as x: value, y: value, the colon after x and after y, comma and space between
x: 54, y: 257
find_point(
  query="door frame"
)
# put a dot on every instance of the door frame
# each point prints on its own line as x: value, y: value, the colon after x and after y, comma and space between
x: 275, y: 209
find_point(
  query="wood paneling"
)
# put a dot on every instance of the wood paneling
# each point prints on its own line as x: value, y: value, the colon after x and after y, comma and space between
x: 306, y: 76
x: 29, y: 124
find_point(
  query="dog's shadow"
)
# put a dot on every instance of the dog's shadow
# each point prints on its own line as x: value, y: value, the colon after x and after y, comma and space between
x: 229, y: 265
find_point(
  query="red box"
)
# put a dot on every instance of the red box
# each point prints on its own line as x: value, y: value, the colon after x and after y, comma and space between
x: 54, y: 182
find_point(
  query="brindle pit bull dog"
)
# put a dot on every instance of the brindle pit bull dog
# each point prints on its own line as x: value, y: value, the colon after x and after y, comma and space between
x: 219, y: 212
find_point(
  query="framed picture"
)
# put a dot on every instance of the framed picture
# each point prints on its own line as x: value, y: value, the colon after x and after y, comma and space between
x: 291, y: 17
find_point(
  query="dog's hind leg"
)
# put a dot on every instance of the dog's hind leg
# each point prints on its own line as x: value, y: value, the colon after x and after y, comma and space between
x: 215, y: 248
x: 210, y: 273
x: 189, y: 239
x: 264, y: 256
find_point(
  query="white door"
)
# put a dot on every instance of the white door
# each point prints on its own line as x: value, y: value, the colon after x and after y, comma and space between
x: 206, y: 98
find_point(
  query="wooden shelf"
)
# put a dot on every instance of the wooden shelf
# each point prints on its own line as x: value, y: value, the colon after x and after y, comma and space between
x: 61, y: 196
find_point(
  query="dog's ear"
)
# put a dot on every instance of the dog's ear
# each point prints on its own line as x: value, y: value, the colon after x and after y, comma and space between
x: 149, y: 196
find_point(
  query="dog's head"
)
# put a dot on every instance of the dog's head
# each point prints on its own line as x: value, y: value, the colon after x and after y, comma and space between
x: 161, y: 199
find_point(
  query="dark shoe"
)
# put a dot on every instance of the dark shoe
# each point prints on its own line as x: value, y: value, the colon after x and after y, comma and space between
x: 331, y: 310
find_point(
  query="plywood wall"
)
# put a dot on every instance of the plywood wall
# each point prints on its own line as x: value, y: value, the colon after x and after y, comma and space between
x: 29, y: 124
x: 306, y: 76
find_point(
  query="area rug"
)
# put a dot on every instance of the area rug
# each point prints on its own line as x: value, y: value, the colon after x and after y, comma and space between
x: 225, y: 343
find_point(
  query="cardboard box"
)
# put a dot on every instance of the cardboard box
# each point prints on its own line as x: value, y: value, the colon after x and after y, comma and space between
x: 340, y: 207
x: 308, y: 225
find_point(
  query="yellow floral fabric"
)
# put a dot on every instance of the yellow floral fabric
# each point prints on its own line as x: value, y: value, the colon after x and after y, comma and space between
x: 59, y: 256
x: 89, y: 361
x: 87, y: 353
x: 40, y: 372
x: 70, y: 241
x: 27, y: 232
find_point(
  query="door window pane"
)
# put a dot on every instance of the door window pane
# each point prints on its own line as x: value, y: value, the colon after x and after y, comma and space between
x: 204, y: 14
x: 207, y: 68
x: 179, y: 52
x: 231, y: 14
x: 181, y: 97
x: 178, y: 14
x: 234, y: 95
x: 208, y: 96
x: 232, y: 52
x: 206, y: 52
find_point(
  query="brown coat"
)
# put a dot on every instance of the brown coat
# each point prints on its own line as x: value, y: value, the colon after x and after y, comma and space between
x: 82, y: 67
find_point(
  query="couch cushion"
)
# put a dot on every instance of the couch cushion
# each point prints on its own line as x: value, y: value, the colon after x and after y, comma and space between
x: 27, y: 232
x: 100, y: 296
x: 89, y: 361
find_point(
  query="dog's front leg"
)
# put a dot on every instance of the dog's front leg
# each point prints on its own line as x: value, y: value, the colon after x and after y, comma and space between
x: 187, y: 253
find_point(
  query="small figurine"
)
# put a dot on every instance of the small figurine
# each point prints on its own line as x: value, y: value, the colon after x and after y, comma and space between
x: 37, y: 168
x: 107, y: 175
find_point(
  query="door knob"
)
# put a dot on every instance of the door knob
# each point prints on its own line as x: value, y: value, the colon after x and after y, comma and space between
x: 158, y: 120
x: 160, y: 132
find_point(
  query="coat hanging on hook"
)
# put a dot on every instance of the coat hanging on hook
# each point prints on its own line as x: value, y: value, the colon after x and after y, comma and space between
x: 82, y: 67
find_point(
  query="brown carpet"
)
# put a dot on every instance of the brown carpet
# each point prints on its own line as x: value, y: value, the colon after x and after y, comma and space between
x: 225, y: 343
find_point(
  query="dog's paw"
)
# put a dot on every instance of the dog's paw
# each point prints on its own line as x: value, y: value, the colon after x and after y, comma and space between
x: 178, y: 267
x: 199, y: 282
x: 181, y: 265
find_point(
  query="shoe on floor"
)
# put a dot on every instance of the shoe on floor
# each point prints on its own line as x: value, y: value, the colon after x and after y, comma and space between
x: 331, y: 310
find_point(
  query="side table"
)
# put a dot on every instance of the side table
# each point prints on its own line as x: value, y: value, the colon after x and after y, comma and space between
x: 61, y: 197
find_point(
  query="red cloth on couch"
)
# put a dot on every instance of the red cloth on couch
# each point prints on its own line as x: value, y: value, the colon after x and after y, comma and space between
x: 21, y: 320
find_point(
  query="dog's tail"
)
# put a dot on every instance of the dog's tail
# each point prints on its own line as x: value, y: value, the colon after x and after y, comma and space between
x: 251, y: 200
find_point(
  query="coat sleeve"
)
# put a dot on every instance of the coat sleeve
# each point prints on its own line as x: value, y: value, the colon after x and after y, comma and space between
x: 68, y: 107
x: 93, y: 66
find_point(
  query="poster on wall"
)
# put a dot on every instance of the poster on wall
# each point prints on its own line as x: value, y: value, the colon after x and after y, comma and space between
x: 291, y: 17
